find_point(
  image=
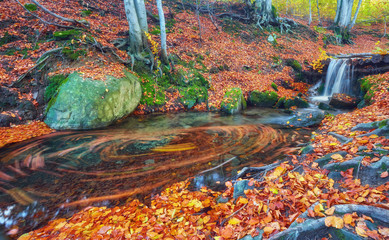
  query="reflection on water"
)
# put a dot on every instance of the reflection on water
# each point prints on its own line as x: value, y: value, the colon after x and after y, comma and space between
x: 56, y: 175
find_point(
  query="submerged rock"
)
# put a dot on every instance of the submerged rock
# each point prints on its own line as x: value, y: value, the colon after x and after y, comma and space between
x: 306, y: 119
x: 83, y: 103
x: 233, y: 101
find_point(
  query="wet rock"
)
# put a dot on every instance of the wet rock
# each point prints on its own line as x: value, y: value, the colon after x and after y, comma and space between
x: 83, y: 103
x: 240, y: 187
x: 383, y: 164
x: 306, y: 119
x: 262, y: 99
x: 233, y: 101
x: 327, y: 158
x: 343, y: 101
x: 370, y: 126
x: 8, y: 99
x: 382, y: 131
x: 342, y: 166
x: 324, y: 106
x: 340, y: 138
x: 297, y: 101
x: 306, y: 150
x: 221, y: 199
x: 258, y: 237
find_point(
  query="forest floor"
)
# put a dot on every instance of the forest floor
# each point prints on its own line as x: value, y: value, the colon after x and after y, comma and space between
x: 240, y: 58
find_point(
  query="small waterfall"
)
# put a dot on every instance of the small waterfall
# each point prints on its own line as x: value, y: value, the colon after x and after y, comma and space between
x: 339, y: 78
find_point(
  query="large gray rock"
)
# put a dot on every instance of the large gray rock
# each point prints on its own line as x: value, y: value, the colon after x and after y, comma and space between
x: 87, y: 104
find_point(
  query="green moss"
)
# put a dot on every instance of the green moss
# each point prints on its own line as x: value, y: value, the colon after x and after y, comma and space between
x: 233, y: 101
x: 280, y: 103
x: 320, y: 90
x: 153, y: 95
x: 297, y: 101
x: 30, y: 7
x: 7, y: 38
x: 368, y: 88
x: 274, y: 11
x: 73, y: 54
x: 67, y: 34
x: 274, y: 86
x: 54, y: 83
x: 263, y: 99
x: 86, y: 12
x: 193, y: 95
x: 294, y: 64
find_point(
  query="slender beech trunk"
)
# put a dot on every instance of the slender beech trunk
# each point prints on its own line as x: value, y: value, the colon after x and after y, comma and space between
x: 310, y: 13
x: 355, y: 15
x: 163, y: 32
x: 318, y: 12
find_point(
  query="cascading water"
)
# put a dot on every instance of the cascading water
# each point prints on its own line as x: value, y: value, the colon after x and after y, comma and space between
x: 339, y: 78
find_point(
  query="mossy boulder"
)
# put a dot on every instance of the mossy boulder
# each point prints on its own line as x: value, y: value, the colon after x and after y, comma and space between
x: 193, y: 95
x: 233, y: 101
x: 263, y: 99
x: 83, y: 103
x: 288, y: 103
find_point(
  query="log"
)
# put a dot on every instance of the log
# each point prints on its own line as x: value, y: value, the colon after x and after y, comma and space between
x: 354, y: 55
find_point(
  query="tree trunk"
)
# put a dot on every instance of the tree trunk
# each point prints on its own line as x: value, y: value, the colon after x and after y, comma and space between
x: 310, y: 13
x: 318, y: 12
x: 163, y: 32
x: 136, y: 39
x: 264, y: 13
x: 343, y: 13
x: 355, y: 15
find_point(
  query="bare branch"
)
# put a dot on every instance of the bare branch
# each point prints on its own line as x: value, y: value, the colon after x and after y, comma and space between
x: 56, y: 15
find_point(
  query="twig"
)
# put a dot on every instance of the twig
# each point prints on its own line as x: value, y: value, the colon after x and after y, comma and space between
x: 56, y: 15
x: 28, y: 72
x: 226, y: 219
x: 211, y: 169
x: 44, y: 21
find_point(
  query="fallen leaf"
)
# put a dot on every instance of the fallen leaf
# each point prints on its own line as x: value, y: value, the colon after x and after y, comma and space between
x: 360, y: 231
x: 333, y: 221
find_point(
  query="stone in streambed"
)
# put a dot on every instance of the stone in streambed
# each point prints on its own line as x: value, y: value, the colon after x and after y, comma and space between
x: 240, y: 187
x: 233, y: 101
x: 83, y: 103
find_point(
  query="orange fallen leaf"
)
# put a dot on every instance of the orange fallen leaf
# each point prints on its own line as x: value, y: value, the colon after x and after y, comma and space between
x: 384, y: 174
x: 333, y: 221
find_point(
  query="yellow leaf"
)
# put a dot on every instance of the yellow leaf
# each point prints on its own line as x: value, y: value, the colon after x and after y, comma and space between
x: 337, y: 156
x: 373, y: 136
x: 273, y: 190
x: 330, y: 211
x: 278, y: 171
x: 243, y: 200
x: 234, y: 221
x: 348, y: 218
x: 360, y: 231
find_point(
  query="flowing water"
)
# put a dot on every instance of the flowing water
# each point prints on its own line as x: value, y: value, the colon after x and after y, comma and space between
x: 56, y: 175
x: 339, y: 79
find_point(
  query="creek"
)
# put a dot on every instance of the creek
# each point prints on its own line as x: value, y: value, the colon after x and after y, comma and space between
x: 56, y: 175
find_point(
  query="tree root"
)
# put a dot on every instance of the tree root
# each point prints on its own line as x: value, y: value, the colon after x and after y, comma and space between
x: 257, y: 170
x: 313, y: 225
